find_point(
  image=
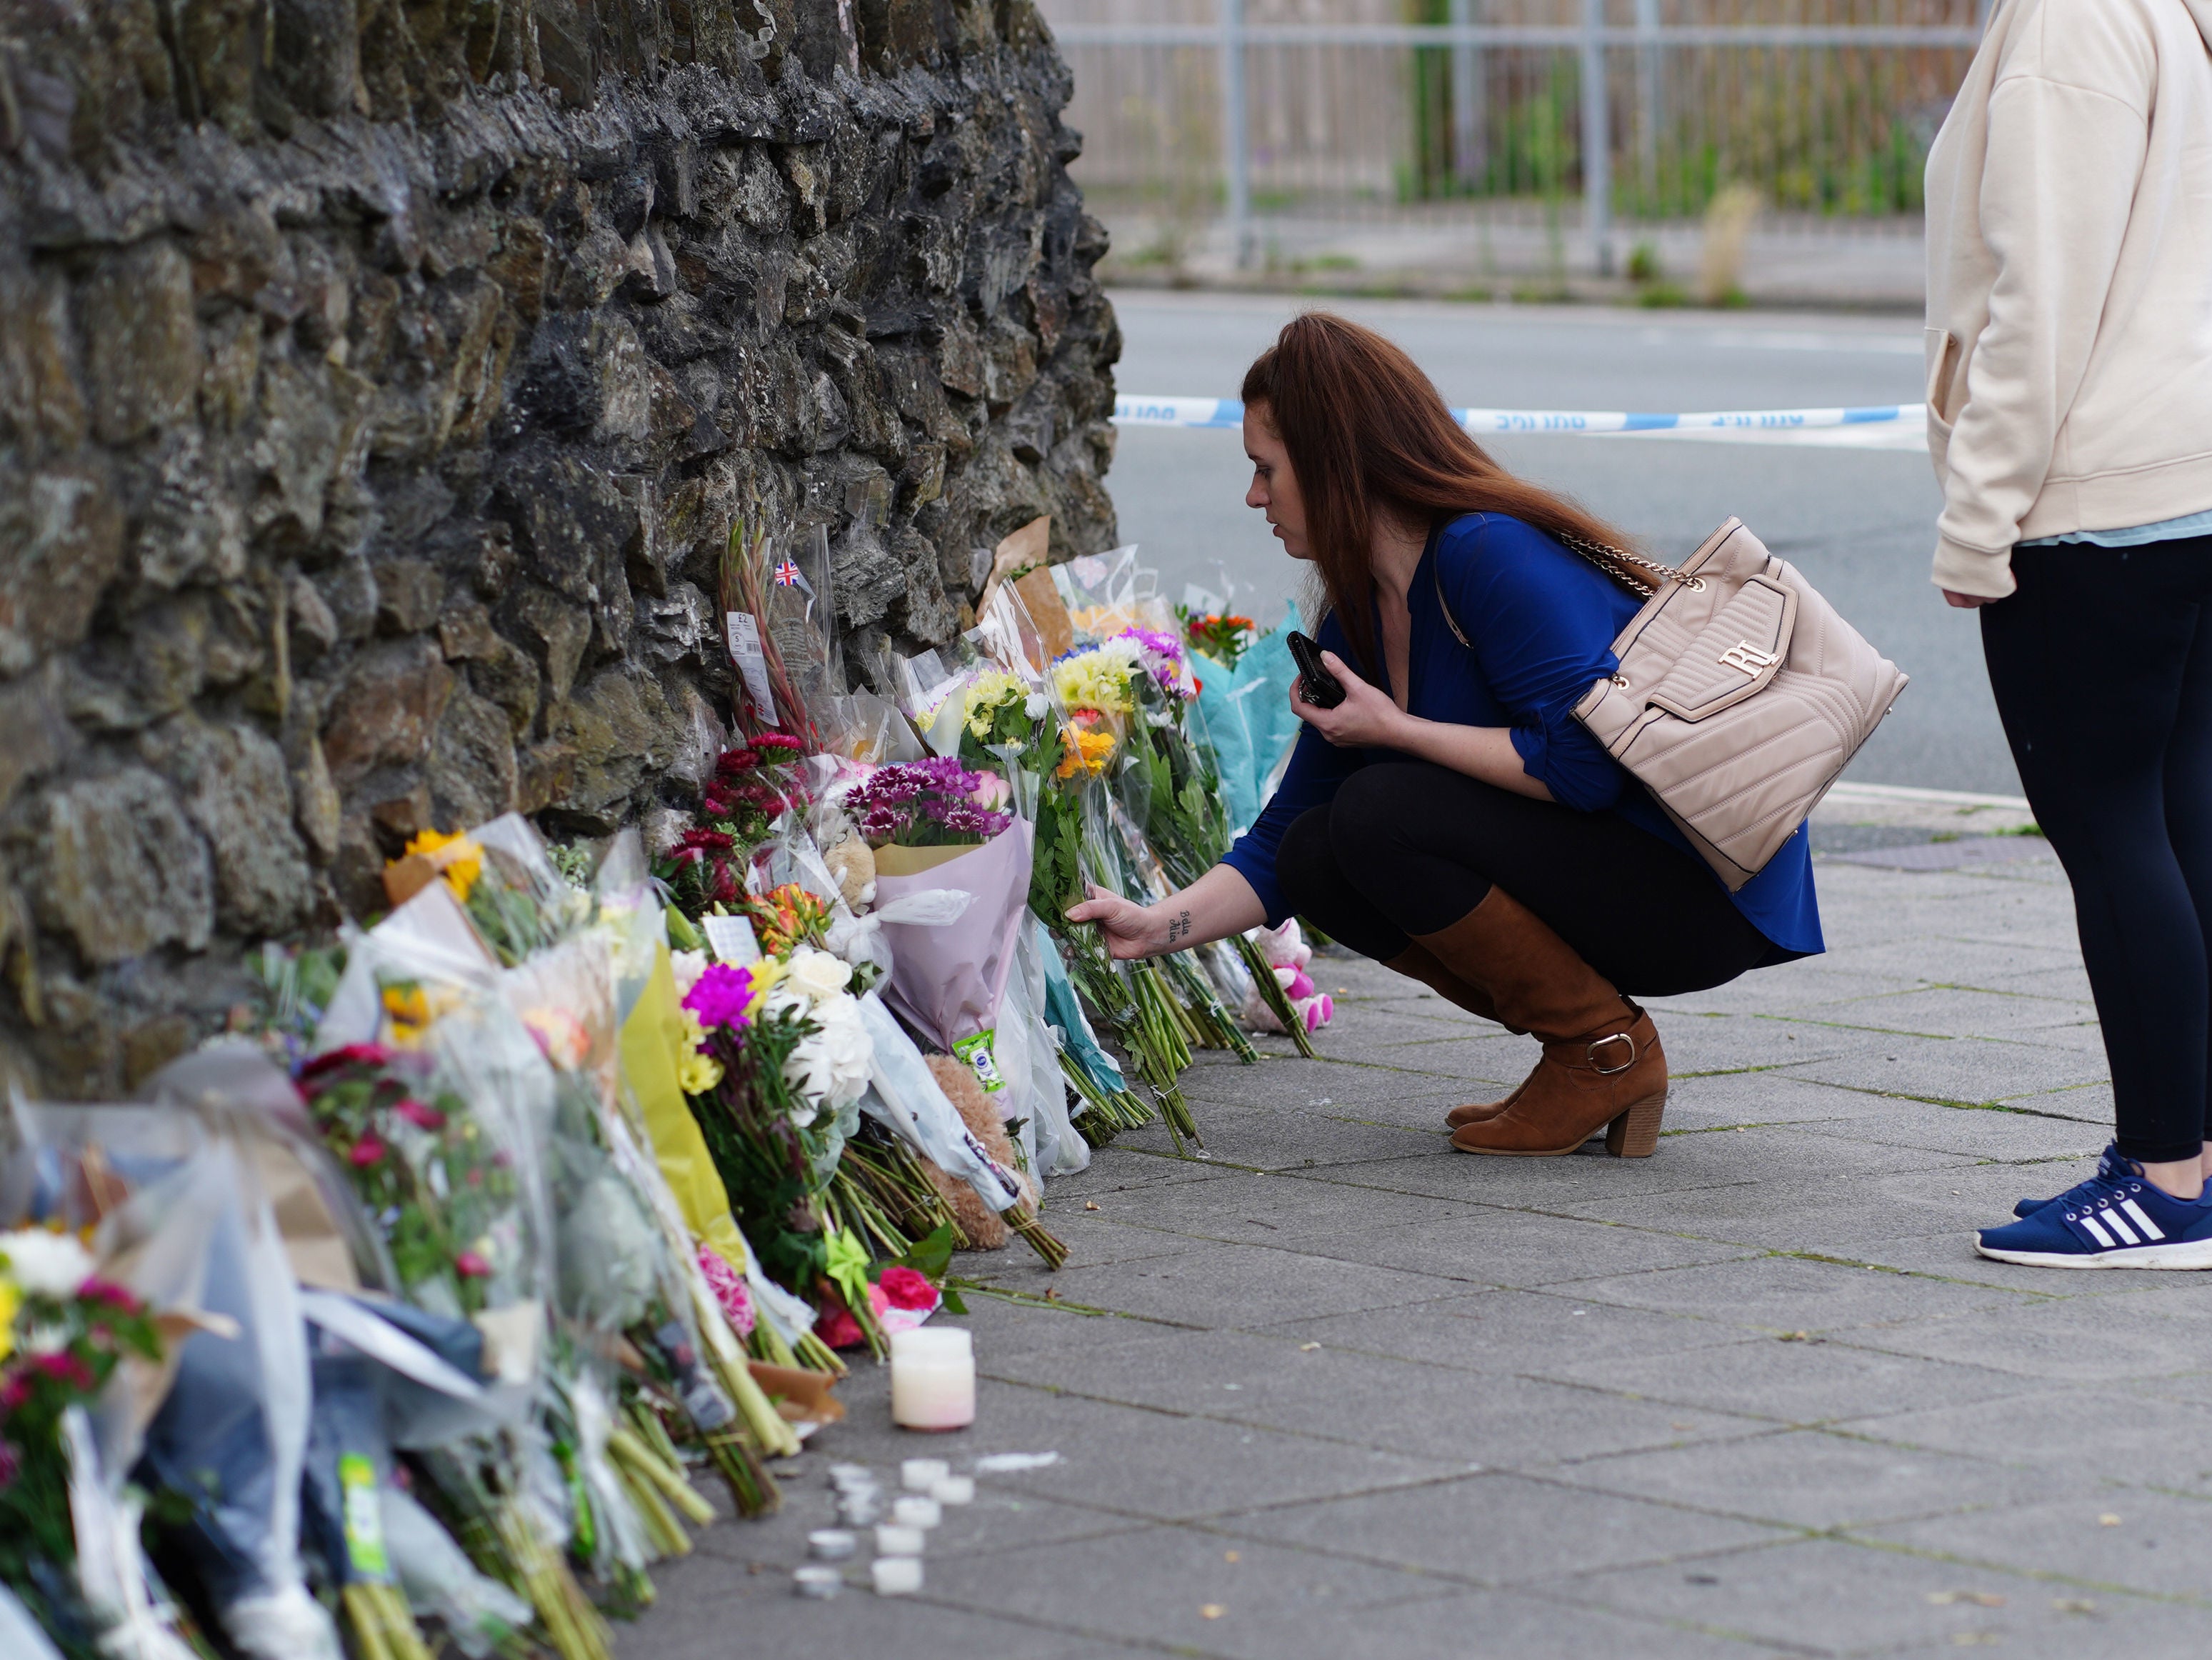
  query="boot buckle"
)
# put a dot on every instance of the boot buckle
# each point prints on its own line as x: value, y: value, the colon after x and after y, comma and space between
x: 1616, y: 1037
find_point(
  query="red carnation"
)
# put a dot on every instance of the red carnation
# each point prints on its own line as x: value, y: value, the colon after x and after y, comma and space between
x: 420, y: 1114
x: 365, y: 1055
x: 904, y: 1288
x: 97, y: 1290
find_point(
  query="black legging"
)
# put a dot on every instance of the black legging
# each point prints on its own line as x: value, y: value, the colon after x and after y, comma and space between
x: 2102, y: 666
x: 1407, y: 848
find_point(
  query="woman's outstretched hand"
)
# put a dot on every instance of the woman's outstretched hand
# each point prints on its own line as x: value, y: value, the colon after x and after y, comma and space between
x: 1131, y: 929
x: 1366, y: 719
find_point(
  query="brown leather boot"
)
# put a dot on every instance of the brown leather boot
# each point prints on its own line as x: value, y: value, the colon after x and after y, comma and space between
x: 1602, y: 1063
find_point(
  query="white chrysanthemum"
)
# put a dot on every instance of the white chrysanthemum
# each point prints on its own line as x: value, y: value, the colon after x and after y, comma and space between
x: 830, y: 1068
x: 817, y: 973
x: 45, y: 1264
x: 689, y: 966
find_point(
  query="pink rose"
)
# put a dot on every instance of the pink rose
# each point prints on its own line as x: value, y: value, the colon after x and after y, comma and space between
x: 470, y: 1266
x: 368, y: 1150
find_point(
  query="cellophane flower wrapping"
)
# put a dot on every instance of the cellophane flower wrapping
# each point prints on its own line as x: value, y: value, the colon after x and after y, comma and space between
x: 183, y: 1223
x: 66, y: 1333
x: 948, y: 981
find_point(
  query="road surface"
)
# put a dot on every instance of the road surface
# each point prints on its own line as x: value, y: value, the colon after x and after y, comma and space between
x: 1860, y: 523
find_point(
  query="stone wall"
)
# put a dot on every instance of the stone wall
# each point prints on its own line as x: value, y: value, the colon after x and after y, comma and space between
x: 379, y: 380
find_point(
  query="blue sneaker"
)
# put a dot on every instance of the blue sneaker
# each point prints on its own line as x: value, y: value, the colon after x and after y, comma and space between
x: 2111, y: 1166
x: 2112, y: 1220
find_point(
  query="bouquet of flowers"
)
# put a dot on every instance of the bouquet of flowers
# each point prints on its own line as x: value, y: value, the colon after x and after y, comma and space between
x: 1223, y: 636
x: 64, y: 1332
x: 753, y: 787
x: 938, y: 802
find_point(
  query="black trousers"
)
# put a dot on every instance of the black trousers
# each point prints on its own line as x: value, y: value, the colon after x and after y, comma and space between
x: 2102, y: 666
x: 1408, y: 849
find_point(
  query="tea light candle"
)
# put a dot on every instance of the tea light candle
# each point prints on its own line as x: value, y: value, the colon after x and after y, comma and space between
x: 820, y: 1583
x: 917, y: 1512
x: 846, y: 1477
x: 897, y: 1575
x: 831, y: 1544
x: 953, y: 1490
x: 932, y: 1378
x: 857, y: 1509
x: 920, y: 1474
x: 891, y: 1540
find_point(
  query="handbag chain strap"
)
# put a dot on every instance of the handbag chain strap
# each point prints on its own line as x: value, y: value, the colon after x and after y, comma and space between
x: 1615, y: 561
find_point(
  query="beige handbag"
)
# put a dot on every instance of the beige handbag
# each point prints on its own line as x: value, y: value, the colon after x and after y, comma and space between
x: 1740, y: 695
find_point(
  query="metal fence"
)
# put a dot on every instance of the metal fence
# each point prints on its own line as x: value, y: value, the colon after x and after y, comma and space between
x: 1596, y: 114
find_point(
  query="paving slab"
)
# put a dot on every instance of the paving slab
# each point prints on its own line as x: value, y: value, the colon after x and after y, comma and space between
x: 1827, y: 1597
x: 1334, y: 1389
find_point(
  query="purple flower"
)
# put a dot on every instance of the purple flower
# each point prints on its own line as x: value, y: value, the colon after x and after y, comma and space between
x: 1164, y: 660
x: 937, y: 796
x: 721, y: 996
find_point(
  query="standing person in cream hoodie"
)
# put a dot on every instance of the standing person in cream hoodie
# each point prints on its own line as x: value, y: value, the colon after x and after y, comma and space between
x: 2069, y: 416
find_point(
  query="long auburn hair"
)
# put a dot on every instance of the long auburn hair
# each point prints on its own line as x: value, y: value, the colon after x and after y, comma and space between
x: 1369, y: 437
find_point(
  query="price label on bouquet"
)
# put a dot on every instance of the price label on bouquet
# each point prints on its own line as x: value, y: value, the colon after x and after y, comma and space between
x: 363, y: 1518
x: 980, y: 1054
x: 731, y: 938
x: 752, y: 662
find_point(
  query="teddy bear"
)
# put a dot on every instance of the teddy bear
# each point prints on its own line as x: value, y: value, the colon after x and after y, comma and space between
x: 853, y: 863
x: 1287, y: 953
x: 985, y: 1228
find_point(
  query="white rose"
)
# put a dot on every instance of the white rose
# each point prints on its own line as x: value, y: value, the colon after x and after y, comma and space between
x: 689, y: 965
x: 816, y: 973
x: 45, y: 1264
x: 1037, y: 706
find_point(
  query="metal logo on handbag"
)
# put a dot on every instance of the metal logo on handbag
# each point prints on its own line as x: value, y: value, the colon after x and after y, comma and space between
x: 1741, y: 696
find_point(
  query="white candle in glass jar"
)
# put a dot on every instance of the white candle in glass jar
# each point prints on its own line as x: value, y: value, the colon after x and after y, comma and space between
x: 932, y: 1378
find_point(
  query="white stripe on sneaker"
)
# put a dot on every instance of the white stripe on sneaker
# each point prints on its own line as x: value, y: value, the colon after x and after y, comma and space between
x: 2151, y: 1229
x: 2120, y: 1226
x: 2089, y: 1221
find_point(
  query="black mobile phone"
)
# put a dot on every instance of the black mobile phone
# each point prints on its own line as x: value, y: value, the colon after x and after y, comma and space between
x: 1315, y: 684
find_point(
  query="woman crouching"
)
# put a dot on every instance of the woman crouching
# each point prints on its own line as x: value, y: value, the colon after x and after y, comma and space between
x: 1449, y: 817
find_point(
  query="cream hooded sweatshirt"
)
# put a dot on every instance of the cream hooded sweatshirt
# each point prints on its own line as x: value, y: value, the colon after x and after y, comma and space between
x: 2070, y: 280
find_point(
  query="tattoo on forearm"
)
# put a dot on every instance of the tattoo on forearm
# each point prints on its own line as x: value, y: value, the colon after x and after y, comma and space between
x: 1178, y: 928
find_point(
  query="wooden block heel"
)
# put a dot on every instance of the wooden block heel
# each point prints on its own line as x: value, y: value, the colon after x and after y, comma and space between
x: 1635, y: 1134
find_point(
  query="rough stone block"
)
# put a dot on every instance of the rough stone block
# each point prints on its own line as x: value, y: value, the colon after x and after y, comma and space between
x: 141, y: 346
x: 235, y: 785
x: 385, y: 709
x: 120, y: 871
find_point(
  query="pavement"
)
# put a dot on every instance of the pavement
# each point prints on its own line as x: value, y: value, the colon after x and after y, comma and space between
x: 1335, y: 1390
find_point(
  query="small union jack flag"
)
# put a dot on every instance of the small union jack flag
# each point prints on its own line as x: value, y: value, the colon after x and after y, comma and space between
x: 787, y: 575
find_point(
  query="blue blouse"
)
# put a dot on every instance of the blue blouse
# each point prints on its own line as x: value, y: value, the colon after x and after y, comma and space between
x: 1541, y: 621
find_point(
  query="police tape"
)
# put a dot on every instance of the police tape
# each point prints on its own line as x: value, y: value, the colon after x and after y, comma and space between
x: 1229, y: 412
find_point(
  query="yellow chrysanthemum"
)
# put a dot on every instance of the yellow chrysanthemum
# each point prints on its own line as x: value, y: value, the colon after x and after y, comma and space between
x: 992, y: 690
x: 1096, y: 680
x: 696, y: 1073
x: 406, y: 1013
x: 458, y: 859
x: 11, y: 1300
